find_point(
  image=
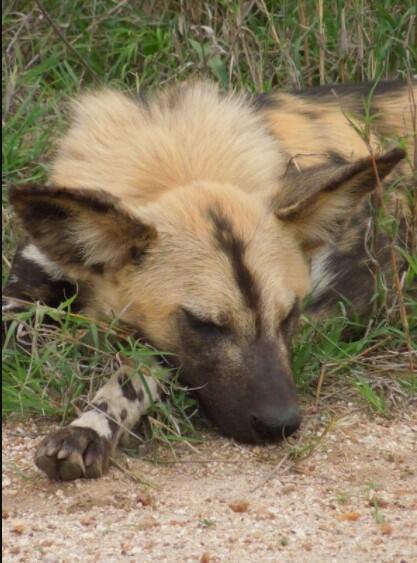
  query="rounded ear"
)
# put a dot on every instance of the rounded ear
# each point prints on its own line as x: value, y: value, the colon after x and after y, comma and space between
x: 314, y: 201
x: 80, y: 230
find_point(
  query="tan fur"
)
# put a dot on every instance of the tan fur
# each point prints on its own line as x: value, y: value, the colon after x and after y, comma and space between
x: 140, y: 151
x: 309, y: 128
x: 202, y: 279
x: 308, y: 141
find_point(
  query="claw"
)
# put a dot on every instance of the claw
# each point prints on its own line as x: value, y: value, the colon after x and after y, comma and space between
x: 73, y: 453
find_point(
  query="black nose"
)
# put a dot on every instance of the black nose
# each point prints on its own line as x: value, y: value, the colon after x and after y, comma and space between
x: 276, y: 426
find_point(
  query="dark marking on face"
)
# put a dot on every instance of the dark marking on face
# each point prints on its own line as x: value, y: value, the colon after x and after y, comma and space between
x: 205, y: 327
x: 127, y: 388
x: 136, y: 255
x: 123, y: 415
x: 97, y: 268
x: 235, y: 249
x: 141, y: 395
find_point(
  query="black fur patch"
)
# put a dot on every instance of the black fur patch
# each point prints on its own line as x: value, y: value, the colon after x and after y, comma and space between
x: 355, y: 93
x: 29, y: 281
x: 103, y: 406
x: 75, y: 254
x: 98, y: 201
x: 311, y: 114
x: 113, y: 425
x: 36, y: 203
x: 97, y: 268
x: 361, y: 90
x: 352, y: 270
x: 264, y: 101
x: 136, y: 255
x: 141, y: 395
x: 235, y: 249
x: 364, y: 171
x: 38, y: 211
x: 337, y: 159
x: 47, y: 215
x: 128, y: 390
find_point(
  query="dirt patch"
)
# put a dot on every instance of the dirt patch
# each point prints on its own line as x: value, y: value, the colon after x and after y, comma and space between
x: 349, y: 494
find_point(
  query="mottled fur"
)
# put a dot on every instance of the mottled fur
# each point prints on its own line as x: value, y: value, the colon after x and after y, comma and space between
x: 202, y: 220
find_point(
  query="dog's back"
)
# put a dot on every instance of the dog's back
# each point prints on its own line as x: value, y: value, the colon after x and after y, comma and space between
x: 340, y: 122
x: 330, y: 125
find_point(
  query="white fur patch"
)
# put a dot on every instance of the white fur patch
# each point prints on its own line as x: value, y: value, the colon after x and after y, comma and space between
x: 151, y: 391
x: 33, y: 254
x: 112, y: 394
x: 96, y: 421
x: 321, y: 276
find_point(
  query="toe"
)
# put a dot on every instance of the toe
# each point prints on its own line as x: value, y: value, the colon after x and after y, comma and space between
x: 47, y: 464
x: 72, y: 467
x: 97, y: 458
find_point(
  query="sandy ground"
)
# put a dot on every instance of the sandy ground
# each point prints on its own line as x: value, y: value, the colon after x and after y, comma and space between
x: 350, y: 495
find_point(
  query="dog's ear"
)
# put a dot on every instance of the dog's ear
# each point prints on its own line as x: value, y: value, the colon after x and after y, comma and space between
x: 314, y: 202
x: 82, y: 231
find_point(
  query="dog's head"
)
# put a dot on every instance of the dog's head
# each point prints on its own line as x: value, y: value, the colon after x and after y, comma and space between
x: 208, y: 273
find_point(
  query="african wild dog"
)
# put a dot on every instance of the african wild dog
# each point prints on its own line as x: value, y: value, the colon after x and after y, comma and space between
x: 202, y: 220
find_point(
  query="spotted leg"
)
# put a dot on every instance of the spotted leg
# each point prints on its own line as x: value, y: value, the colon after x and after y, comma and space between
x: 84, y: 448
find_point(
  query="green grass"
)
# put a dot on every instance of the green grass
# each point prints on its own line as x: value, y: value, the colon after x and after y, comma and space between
x: 141, y: 46
x: 65, y: 364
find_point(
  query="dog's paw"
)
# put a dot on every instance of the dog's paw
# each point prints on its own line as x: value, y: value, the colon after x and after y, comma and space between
x: 73, y: 452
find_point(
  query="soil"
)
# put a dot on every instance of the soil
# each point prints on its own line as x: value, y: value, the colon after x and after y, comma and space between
x: 344, y: 491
